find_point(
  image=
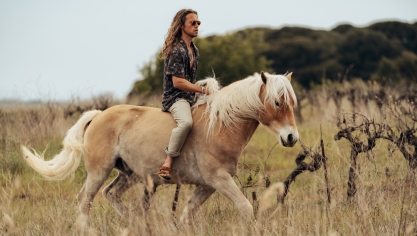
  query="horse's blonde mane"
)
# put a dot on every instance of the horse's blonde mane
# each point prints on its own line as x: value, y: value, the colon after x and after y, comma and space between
x: 213, y: 87
x: 241, y: 100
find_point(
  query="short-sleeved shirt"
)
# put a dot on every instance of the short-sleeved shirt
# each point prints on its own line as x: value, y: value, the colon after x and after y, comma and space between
x: 177, y: 64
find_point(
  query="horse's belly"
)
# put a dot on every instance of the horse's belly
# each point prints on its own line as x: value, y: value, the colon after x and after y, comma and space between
x: 146, y: 156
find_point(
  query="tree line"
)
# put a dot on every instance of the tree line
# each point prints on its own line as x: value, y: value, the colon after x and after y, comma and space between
x: 385, y: 52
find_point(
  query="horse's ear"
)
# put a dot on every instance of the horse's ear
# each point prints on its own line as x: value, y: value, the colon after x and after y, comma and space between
x: 263, y: 77
x: 289, y: 76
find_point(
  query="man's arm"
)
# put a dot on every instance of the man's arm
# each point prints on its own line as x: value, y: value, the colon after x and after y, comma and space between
x: 187, y: 86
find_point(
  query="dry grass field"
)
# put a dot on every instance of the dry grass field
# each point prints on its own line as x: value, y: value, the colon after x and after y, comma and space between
x: 384, y: 204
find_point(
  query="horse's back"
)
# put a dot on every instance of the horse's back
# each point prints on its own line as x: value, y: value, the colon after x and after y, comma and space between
x: 127, y: 117
x: 130, y: 114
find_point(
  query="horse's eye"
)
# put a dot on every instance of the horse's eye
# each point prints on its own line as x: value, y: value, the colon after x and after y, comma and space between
x: 277, y: 103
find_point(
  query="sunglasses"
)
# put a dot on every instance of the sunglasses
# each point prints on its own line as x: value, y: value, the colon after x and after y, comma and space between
x: 194, y: 22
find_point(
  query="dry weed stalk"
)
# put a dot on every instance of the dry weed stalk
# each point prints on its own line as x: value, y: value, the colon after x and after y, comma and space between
x: 348, y: 127
x: 402, y: 135
x: 315, y: 164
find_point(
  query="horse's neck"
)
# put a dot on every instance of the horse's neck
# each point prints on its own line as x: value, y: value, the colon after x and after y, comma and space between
x: 244, y: 132
x: 233, y: 139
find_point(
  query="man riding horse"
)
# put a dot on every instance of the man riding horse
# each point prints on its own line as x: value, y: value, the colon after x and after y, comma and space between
x: 180, y: 67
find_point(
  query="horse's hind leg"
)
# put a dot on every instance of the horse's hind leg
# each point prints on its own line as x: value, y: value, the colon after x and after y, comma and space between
x: 95, y: 180
x: 123, y: 182
x: 200, y: 195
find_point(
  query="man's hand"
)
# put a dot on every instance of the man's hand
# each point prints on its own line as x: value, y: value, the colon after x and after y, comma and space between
x: 206, y: 91
x: 187, y: 86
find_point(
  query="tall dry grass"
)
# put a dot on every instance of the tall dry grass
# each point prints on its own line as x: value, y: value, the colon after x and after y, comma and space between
x: 385, y: 203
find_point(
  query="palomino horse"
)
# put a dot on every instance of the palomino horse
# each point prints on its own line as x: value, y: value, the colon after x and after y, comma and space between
x: 132, y: 139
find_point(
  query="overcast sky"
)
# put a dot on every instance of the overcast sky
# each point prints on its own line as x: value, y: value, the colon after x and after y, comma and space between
x: 60, y: 50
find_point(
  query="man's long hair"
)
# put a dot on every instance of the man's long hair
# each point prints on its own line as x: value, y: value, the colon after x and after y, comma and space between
x: 174, y: 32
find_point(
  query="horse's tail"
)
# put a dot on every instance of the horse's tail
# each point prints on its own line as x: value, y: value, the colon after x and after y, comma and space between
x: 67, y: 161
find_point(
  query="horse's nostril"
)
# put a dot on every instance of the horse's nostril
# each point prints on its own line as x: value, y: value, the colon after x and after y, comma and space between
x: 290, y: 139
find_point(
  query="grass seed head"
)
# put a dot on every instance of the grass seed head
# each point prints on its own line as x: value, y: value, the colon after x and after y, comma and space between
x: 149, y: 184
x: 17, y: 183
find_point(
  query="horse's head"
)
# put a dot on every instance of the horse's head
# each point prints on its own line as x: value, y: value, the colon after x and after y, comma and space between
x: 279, y: 100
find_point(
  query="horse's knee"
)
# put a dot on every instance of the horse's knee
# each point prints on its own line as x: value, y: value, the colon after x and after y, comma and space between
x: 247, y: 211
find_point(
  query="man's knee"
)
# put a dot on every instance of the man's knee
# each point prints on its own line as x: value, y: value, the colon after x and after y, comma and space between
x: 186, y: 124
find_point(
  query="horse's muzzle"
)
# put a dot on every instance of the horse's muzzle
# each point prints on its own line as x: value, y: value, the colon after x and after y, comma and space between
x: 290, y: 141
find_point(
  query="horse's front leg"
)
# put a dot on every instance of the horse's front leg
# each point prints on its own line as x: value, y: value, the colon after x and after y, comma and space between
x: 223, y: 182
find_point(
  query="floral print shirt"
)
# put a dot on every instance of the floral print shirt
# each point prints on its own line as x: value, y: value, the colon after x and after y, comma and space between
x: 178, y: 64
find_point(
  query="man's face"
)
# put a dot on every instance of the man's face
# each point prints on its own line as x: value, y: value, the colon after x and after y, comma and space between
x: 191, y: 24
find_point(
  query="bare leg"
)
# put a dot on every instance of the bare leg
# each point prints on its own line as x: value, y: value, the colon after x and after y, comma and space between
x: 200, y: 195
x: 165, y: 170
x: 168, y: 161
